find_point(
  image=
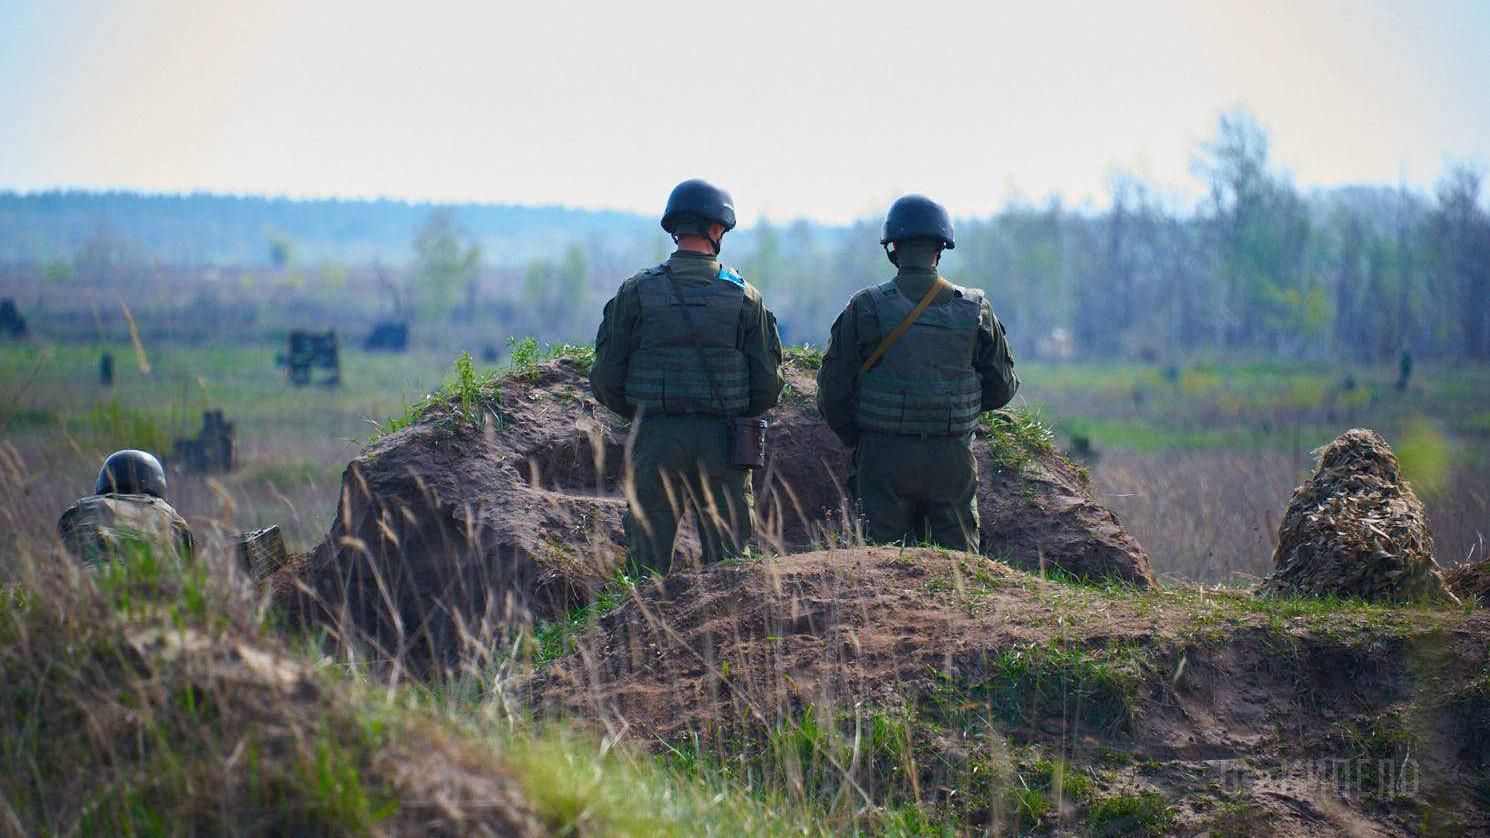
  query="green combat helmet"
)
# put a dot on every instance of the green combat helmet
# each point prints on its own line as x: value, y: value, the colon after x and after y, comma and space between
x: 695, y: 204
x: 916, y: 217
x: 131, y: 472
x: 127, y: 514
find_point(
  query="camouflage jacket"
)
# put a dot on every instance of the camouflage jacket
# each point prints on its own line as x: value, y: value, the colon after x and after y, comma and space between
x: 102, y: 527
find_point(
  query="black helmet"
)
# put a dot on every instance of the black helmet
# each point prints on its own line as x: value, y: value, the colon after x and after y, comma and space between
x: 701, y: 199
x: 131, y: 472
x: 917, y: 217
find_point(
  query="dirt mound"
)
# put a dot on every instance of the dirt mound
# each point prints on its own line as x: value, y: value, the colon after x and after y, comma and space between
x: 1356, y: 529
x: 454, y: 530
x: 147, y: 699
x: 1470, y: 581
x: 450, y: 531
x: 956, y: 683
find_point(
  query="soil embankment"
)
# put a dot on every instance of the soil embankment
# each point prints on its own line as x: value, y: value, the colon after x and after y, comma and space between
x: 454, y: 530
x: 1223, y: 711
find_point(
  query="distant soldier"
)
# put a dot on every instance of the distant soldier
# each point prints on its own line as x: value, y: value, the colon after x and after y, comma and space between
x: 1404, y: 370
x: 909, y: 367
x: 126, y: 512
x: 649, y: 367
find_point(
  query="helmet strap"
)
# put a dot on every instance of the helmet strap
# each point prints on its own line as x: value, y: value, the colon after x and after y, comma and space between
x: 890, y: 254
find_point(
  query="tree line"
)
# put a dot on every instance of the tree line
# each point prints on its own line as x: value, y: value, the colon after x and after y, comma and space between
x: 1257, y: 266
x: 1360, y: 273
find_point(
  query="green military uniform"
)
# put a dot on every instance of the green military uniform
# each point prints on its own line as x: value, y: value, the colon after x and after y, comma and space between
x: 99, y: 528
x: 910, y: 418
x: 647, y: 369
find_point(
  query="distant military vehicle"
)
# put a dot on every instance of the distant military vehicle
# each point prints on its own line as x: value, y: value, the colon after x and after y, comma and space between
x: 309, y: 351
x: 388, y: 336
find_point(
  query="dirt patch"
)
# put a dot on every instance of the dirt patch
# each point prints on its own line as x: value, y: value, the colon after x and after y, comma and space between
x: 992, y: 679
x: 448, y: 533
x: 1356, y: 529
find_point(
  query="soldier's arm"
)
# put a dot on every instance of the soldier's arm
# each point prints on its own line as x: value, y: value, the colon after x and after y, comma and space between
x: 760, y: 340
x: 994, y: 361
x: 613, y: 344
x: 839, y: 375
x: 185, y: 542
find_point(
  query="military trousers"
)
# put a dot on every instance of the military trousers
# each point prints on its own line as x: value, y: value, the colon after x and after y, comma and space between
x: 680, y: 465
x: 915, y: 490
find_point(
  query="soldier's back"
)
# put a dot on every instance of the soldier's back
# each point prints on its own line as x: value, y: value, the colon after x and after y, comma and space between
x: 102, y: 527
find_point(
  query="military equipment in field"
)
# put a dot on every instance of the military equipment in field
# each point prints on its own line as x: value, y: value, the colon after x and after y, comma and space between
x: 12, y: 324
x: 311, y: 351
x: 388, y: 336
x: 213, y: 449
x: 262, y: 552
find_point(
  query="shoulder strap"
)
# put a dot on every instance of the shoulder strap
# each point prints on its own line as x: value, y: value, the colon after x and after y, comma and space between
x: 910, y: 319
x: 693, y: 336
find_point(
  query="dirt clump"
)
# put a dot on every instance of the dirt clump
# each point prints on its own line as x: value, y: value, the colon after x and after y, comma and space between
x: 1356, y: 529
x: 454, y: 530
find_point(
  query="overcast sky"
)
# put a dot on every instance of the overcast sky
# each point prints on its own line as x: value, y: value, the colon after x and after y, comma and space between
x: 800, y: 108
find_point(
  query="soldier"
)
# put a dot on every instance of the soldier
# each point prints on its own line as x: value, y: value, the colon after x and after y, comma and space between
x: 910, y: 365
x: 127, y: 511
x: 649, y: 356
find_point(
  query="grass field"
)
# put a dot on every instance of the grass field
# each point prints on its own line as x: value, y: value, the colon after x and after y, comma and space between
x: 1198, y: 460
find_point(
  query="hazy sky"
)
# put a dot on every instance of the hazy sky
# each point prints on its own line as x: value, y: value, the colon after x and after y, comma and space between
x: 800, y: 108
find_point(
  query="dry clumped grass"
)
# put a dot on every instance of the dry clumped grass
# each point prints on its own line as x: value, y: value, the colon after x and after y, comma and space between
x: 1356, y: 529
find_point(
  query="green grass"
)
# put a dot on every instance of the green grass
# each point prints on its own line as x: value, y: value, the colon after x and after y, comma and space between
x: 1143, y: 813
x: 1016, y: 437
x: 551, y: 641
x: 1256, y: 405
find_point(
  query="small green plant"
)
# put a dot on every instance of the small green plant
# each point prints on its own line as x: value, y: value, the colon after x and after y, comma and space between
x: 523, y: 354
x: 463, y: 394
x: 467, y: 390
x: 583, y: 354
x: 806, y: 356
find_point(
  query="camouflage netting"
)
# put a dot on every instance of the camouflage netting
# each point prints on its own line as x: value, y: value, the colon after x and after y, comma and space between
x: 1356, y: 529
x: 448, y: 535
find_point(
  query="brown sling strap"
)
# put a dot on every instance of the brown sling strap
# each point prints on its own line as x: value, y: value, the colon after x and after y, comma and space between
x: 910, y: 319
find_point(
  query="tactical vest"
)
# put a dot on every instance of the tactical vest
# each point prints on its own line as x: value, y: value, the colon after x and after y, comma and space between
x: 663, y: 375
x: 99, y: 528
x: 925, y: 384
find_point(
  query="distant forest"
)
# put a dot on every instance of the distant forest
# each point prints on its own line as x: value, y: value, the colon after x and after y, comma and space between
x: 1257, y: 267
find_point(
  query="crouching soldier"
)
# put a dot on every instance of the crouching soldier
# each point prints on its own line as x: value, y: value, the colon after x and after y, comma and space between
x: 127, y: 512
x: 682, y: 349
x: 909, y: 367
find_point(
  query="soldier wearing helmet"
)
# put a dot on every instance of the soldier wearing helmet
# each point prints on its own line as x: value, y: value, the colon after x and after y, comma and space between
x: 127, y: 512
x: 909, y: 367
x: 657, y: 334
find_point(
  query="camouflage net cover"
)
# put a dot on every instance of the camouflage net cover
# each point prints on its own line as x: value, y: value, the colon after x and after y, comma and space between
x: 1355, y: 529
